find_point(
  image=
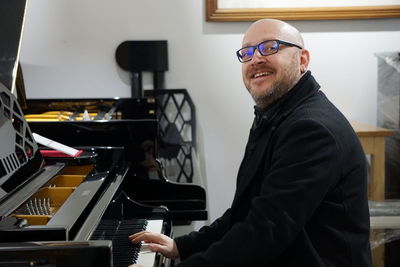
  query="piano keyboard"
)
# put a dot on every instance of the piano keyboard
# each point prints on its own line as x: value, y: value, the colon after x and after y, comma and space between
x: 124, y: 252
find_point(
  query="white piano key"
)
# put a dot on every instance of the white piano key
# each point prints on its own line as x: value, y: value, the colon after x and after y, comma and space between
x: 147, y: 258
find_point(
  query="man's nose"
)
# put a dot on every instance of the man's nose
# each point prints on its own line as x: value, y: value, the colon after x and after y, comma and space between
x: 257, y: 57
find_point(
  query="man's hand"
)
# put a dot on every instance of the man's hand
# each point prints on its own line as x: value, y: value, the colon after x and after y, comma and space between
x: 156, y: 242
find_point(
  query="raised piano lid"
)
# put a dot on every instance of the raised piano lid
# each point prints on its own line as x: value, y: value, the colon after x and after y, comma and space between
x: 12, y: 15
x: 20, y: 158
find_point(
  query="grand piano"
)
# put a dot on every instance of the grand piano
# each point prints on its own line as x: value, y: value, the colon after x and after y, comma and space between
x: 58, y: 210
x: 79, y: 200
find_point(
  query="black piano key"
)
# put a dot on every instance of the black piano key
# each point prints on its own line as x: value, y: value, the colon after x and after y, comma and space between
x: 124, y: 252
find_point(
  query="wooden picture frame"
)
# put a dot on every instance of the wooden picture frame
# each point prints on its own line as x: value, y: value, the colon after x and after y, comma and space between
x: 213, y: 13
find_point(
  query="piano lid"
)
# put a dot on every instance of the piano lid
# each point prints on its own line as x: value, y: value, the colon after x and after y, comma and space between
x: 12, y: 13
x: 19, y: 154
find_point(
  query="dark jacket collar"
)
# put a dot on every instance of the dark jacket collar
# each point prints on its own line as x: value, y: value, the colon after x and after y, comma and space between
x: 305, y: 87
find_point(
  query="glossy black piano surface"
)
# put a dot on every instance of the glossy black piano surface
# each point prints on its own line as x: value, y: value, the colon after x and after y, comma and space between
x: 173, y: 109
x: 124, y: 122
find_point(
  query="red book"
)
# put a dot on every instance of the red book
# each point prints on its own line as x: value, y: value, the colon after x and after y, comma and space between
x: 58, y: 154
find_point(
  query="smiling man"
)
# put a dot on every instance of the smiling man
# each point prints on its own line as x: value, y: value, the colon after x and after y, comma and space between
x: 269, y: 78
x: 301, y: 195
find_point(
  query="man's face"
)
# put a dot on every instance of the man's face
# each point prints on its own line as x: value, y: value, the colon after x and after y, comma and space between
x: 267, y: 78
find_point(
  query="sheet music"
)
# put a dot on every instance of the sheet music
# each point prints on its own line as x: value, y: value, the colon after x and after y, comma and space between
x: 55, y: 145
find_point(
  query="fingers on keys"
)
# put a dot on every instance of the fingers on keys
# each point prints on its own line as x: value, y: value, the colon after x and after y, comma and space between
x: 145, y: 236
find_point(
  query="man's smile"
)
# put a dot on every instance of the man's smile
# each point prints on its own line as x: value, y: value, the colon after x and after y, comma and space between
x: 261, y: 74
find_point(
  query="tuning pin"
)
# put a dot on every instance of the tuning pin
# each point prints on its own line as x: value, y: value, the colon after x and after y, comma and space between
x: 35, y: 205
x: 48, y: 206
x: 28, y: 209
x: 33, y: 212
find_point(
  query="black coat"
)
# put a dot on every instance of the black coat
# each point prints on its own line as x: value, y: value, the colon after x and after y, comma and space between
x: 301, y: 196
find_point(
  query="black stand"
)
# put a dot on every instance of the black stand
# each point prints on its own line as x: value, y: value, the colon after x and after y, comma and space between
x: 139, y: 56
x: 136, y: 85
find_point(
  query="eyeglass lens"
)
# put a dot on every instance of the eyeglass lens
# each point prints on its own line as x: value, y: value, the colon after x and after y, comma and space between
x: 265, y: 49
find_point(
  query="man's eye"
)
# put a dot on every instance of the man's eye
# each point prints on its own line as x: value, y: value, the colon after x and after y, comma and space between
x: 268, y: 48
x: 248, y: 53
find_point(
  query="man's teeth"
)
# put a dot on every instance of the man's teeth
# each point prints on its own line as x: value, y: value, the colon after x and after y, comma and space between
x: 261, y: 74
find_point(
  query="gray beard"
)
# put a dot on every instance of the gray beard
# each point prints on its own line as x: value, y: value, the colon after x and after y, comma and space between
x: 266, y: 99
x: 278, y: 89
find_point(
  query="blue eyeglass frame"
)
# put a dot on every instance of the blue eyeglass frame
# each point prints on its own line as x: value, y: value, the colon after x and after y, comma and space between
x: 254, y: 47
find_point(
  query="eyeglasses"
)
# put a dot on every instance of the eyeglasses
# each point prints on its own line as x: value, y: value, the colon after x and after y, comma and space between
x: 265, y: 48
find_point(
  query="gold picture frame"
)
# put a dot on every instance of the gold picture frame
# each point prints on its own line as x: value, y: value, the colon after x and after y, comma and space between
x: 213, y: 13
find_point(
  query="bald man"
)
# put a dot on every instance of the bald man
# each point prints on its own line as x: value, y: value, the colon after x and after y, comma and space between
x: 301, y: 195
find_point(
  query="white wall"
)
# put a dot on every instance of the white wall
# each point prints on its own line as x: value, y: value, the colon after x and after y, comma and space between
x: 68, y: 51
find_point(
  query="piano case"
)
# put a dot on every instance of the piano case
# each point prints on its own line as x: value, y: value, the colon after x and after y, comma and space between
x: 65, y: 198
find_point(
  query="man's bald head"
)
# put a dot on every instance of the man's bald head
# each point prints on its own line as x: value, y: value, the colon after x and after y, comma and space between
x: 277, y: 29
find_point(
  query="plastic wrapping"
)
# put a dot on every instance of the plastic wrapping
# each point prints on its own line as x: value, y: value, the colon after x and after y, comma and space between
x: 385, y: 215
x: 388, y: 116
x: 387, y: 208
x: 391, y: 58
x: 384, y: 237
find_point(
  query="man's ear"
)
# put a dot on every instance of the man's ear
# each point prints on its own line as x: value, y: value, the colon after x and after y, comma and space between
x: 304, y: 60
